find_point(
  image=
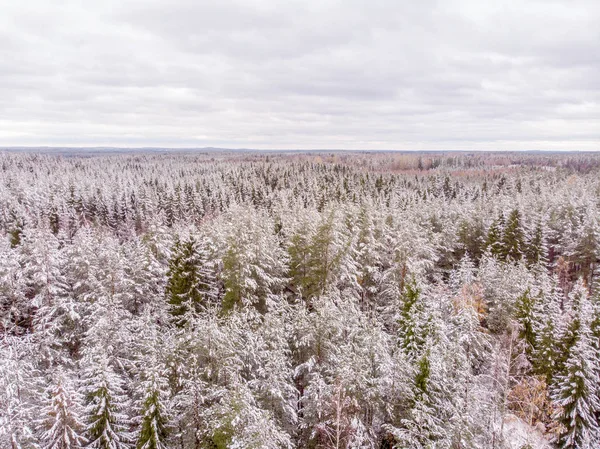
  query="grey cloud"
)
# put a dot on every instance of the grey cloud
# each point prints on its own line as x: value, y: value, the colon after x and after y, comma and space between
x: 301, y: 74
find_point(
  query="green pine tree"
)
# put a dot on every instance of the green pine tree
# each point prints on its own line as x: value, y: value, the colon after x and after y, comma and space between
x: 548, y: 342
x: 423, y: 373
x: 536, y: 251
x: 411, y: 327
x: 587, y: 251
x: 324, y: 256
x: 576, y: 394
x: 513, y: 238
x: 524, y: 313
x: 493, y: 241
x: 299, y: 267
x: 190, y: 282
x: 104, y: 414
x: 153, y: 432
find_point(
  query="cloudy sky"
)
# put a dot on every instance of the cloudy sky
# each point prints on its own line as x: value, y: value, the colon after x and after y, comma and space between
x: 372, y: 74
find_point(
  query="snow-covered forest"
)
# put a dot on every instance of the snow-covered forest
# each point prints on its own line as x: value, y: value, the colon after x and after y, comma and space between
x: 285, y: 300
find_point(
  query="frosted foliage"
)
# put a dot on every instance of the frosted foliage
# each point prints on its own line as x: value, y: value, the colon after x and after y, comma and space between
x: 321, y: 300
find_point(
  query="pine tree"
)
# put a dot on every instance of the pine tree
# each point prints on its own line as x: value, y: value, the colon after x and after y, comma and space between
x: 154, y: 411
x: 548, y: 330
x: 366, y: 265
x: 62, y: 426
x: 575, y: 394
x: 586, y: 252
x: 191, y: 283
x: 20, y: 387
x: 254, y: 262
x: 536, y: 251
x: 298, y: 249
x: 493, y: 241
x: 106, y: 402
x: 325, y: 255
x: 524, y: 314
x: 412, y: 328
x: 513, y: 238
x: 471, y: 239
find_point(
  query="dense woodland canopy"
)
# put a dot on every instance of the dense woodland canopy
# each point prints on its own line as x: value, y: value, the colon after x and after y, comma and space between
x: 318, y: 300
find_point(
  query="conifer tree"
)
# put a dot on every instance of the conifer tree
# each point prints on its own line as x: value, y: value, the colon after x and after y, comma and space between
x: 426, y: 422
x: 464, y: 274
x: 238, y: 421
x: 16, y: 314
x: 153, y: 395
x: 153, y: 431
x: 536, y: 249
x: 575, y: 392
x: 325, y: 255
x: 191, y: 282
x: 298, y: 248
x: 412, y: 328
x: 548, y: 333
x: 513, y: 238
x: 106, y: 403
x: 493, y: 241
x: 578, y: 301
x: 471, y: 238
x: 586, y: 252
x: 422, y: 376
x: 62, y: 427
x: 20, y: 387
x: 366, y: 267
x: 524, y: 313
x: 253, y: 262
x: 146, y: 276
x: 190, y: 406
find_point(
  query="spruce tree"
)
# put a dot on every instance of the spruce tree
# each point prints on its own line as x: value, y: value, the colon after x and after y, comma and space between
x: 574, y: 317
x: 366, y: 264
x: 575, y: 394
x: 62, y: 426
x: 254, y: 262
x: 412, y: 328
x: 422, y: 376
x: 325, y: 255
x: 298, y: 249
x: 472, y: 238
x: 536, y: 251
x: 548, y: 333
x: 524, y: 313
x: 493, y: 241
x: 191, y: 283
x: 106, y: 404
x: 154, y: 411
x: 586, y: 252
x: 513, y: 238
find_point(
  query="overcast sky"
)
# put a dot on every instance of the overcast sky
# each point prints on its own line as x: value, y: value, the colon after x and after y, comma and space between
x: 415, y: 74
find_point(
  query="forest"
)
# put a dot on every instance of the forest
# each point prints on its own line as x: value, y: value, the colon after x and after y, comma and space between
x: 319, y: 300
